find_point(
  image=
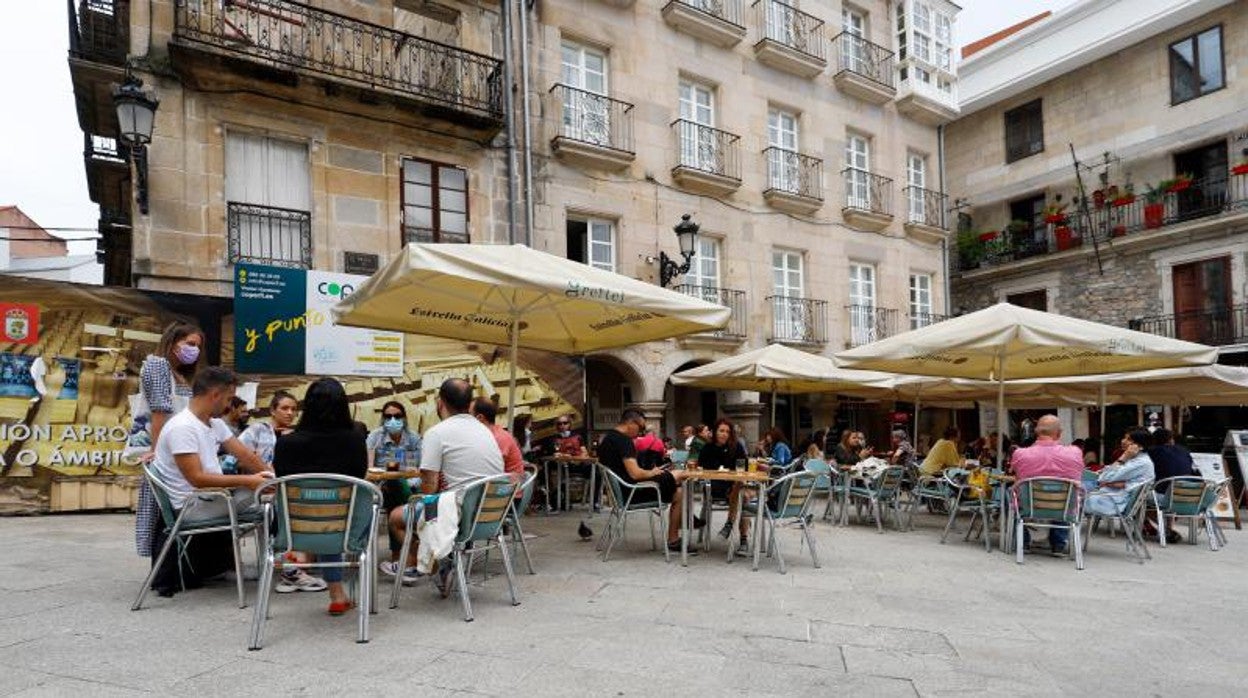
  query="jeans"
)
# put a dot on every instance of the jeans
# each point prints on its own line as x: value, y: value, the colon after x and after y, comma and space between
x: 245, y: 507
x: 1057, y: 537
x: 330, y: 574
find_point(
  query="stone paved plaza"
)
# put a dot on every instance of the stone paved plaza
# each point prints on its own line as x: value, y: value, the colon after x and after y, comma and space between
x: 895, y: 614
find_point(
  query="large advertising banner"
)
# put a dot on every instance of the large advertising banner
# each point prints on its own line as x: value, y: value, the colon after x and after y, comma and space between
x: 283, y: 324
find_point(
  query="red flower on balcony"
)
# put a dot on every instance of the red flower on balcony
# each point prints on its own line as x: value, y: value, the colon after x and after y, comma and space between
x: 988, y: 236
x: 1240, y: 169
x: 1123, y: 200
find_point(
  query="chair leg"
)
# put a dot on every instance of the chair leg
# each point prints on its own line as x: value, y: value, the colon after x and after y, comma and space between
x: 366, y: 601
x: 160, y: 560
x: 511, y: 577
x: 875, y: 511
x: 258, y: 617
x: 775, y: 544
x: 517, y: 534
x: 1018, y: 541
x: 809, y: 535
x: 653, y: 544
x: 238, y: 566
x: 404, y: 552
x: 1209, y: 532
x: 462, y: 580
x: 664, y: 513
x: 615, y: 526
x: 1076, y: 535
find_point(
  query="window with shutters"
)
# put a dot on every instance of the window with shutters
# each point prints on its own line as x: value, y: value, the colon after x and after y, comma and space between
x: 435, y: 202
x: 1024, y: 131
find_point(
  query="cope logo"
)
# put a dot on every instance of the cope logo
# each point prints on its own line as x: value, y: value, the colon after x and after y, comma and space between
x: 334, y: 289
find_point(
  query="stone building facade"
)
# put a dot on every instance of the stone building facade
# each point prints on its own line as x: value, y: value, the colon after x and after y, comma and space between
x: 803, y: 140
x: 1150, y: 97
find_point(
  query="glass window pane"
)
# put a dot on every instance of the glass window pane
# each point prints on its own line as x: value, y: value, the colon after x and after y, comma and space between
x: 1183, y: 80
x: 416, y: 171
x: 453, y: 201
x: 451, y: 178
x: 417, y: 195
x: 418, y: 217
x: 1210, y: 51
x: 454, y: 222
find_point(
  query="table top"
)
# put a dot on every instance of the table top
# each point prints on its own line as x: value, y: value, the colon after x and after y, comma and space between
x: 378, y: 475
x: 1001, y: 477
x: 728, y: 475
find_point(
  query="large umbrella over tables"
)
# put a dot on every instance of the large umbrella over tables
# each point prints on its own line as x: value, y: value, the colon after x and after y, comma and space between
x: 1007, y: 342
x: 777, y: 368
x: 517, y: 296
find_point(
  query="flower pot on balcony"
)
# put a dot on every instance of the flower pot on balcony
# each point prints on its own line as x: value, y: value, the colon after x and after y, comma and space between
x: 1179, y: 185
x: 1123, y: 200
x: 1118, y: 231
x: 988, y: 237
x: 1065, y: 237
x: 1055, y: 219
x: 1240, y: 169
x: 1154, y: 214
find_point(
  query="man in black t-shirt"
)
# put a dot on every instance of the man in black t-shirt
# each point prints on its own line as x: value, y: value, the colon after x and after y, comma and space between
x: 617, y: 452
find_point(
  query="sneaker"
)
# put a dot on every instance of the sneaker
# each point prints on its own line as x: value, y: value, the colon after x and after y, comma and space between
x: 298, y: 580
x: 411, y: 575
x: 725, y: 532
x: 744, y: 546
x: 389, y: 568
x: 674, y: 547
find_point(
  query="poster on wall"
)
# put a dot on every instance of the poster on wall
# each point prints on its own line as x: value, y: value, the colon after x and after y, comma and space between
x: 283, y: 325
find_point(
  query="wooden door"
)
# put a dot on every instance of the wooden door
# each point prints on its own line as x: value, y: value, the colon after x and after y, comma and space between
x: 1202, y: 301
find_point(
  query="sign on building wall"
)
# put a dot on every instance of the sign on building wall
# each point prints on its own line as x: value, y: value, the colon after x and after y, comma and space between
x: 283, y: 325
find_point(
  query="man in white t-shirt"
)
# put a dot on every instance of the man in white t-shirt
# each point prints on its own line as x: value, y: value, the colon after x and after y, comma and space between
x: 455, y: 451
x: 186, y: 452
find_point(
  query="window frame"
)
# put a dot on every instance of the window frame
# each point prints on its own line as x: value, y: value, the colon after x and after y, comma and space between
x: 1195, y: 39
x: 1012, y: 156
x: 918, y: 305
x: 435, y: 201
x: 589, y: 244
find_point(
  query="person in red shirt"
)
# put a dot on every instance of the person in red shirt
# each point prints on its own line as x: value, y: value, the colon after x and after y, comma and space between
x: 484, y: 409
x: 1047, y: 457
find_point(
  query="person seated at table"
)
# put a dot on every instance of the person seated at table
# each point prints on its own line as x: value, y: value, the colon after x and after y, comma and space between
x: 850, y: 450
x: 393, y: 446
x: 262, y: 436
x: 324, y: 441
x: 944, y: 454
x: 1047, y: 457
x: 1115, y: 481
x: 776, y: 448
x: 687, y: 434
x: 812, y: 446
x: 724, y: 452
x: 485, y: 411
x: 186, y: 460
x: 701, y: 437
x: 1092, y: 454
x: 901, y: 452
x: 617, y: 452
x: 455, y: 451
x: 987, y: 455
x: 650, y: 450
x: 1169, y: 460
x: 564, y: 442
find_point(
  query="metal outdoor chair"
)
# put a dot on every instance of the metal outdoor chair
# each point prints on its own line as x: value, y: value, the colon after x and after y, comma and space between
x: 825, y: 481
x: 1193, y: 498
x: 679, y: 457
x: 322, y: 514
x: 518, y: 507
x: 1048, y: 502
x: 620, y: 496
x: 934, y: 491
x: 881, y: 490
x: 960, y: 498
x: 482, y: 512
x: 1130, y: 517
x: 794, y: 493
x: 180, y: 532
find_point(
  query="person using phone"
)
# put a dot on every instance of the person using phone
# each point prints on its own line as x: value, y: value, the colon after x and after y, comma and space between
x: 1115, y: 482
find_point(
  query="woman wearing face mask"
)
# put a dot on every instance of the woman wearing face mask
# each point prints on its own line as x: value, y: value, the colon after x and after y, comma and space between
x: 165, y: 384
x: 394, y: 447
x: 262, y: 437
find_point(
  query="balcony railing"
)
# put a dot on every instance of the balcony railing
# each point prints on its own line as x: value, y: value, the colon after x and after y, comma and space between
x: 794, y: 173
x: 867, y: 192
x: 798, y: 320
x: 1217, y: 326
x: 1107, y: 220
x: 789, y: 26
x: 925, y: 207
x: 708, y: 149
x: 918, y: 320
x: 729, y: 298
x: 727, y: 10
x: 279, y: 237
x: 327, y: 44
x: 867, y: 323
x: 595, y: 119
x: 99, y: 30
x: 872, y: 61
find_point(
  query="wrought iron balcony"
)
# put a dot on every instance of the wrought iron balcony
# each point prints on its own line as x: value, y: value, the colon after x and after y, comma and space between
x: 1218, y: 326
x: 710, y: 159
x: 868, y: 199
x: 729, y: 298
x: 925, y: 213
x: 283, y: 35
x: 1109, y: 219
x: 798, y: 320
x: 715, y: 21
x: 863, y: 69
x: 594, y: 128
x: 793, y: 173
x: 791, y: 39
x: 867, y: 323
x: 279, y: 237
x: 918, y: 320
x: 99, y: 30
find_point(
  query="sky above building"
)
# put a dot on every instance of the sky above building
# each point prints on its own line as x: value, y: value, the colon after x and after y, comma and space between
x: 41, y: 144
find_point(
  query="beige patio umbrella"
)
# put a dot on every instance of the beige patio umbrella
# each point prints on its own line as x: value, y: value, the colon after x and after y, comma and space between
x: 1007, y: 342
x: 517, y: 296
x: 777, y: 368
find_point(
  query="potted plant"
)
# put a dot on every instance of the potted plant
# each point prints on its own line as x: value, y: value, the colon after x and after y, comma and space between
x: 1118, y: 230
x: 1241, y: 168
x: 1180, y: 183
x: 1154, y: 204
x: 1065, y: 237
x: 1055, y: 212
x: 1124, y: 197
x: 971, y: 248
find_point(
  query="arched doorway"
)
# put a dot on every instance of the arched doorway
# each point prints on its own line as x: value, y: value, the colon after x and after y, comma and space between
x: 689, y: 405
x: 610, y: 385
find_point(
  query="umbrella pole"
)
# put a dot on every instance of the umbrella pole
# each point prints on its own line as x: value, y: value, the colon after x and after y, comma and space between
x: 773, y: 404
x: 1178, y: 421
x: 1102, y: 439
x: 1001, y: 434
x: 511, y: 381
x: 918, y: 405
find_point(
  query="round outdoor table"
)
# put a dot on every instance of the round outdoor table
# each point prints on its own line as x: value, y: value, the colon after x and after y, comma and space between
x: 381, y: 475
x: 564, y: 491
x: 753, y: 479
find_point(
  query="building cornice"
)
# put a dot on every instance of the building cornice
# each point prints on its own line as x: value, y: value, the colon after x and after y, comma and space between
x: 1072, y: 38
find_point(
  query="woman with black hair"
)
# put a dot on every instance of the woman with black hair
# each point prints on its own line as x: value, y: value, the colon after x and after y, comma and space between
x: 394, y: 446
x: 324, y: 441
x: 1115, y: 482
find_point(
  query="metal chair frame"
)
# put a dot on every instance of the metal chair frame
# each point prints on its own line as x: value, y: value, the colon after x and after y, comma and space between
x: 621, y: 495
x: 884, y: 487
x: 518, y: 507
x: 179, y: 531
x: 795, y: 494
x: 1131, y: 517
x: 358, y: 540
x: 1191, y: 497
x: 1069, y: 493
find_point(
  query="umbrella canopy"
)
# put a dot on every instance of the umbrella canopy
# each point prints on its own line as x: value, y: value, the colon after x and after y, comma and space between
x: 1190, y: 385
x: 781, y: 369
x: 478, y: 292
x: 1005, y: 341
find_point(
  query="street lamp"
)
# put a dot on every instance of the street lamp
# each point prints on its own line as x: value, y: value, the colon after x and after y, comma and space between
x: 136, y: 114
x: 687, y: 235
